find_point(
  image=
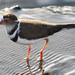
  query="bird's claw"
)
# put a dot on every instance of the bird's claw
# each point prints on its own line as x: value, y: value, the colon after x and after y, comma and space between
x: 27, y: 60
x: 41, y: 66
x: 28, y: 65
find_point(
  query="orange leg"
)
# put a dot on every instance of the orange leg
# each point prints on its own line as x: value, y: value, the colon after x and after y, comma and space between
x: 28, y: 55
x: 41, y: 55
x: 28, y: 58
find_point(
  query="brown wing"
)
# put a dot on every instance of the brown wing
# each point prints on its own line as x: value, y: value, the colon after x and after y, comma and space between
x: 37, y: 29
x: 32, y: 31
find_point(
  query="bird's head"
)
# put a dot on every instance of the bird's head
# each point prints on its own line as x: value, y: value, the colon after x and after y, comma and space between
x: 8, y: 19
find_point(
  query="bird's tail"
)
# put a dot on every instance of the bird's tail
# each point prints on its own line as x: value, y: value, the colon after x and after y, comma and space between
x: 58, y: 28
x: 68, y: 26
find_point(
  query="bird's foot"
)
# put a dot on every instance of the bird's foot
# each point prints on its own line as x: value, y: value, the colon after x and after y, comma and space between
x: 27, y: 60
x: 41, y: 66
x: 28, y: 65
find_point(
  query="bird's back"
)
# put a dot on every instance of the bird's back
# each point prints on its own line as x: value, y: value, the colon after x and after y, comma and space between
x: 31, y: 31
x: 35, y: 29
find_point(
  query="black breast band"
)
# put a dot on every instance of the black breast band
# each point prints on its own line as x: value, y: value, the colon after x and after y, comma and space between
x: 13, y: 30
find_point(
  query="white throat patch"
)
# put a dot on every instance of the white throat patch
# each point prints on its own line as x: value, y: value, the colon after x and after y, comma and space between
x: 10, y: 27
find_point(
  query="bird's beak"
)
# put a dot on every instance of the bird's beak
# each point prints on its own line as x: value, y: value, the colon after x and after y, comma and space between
x: 1, y: 20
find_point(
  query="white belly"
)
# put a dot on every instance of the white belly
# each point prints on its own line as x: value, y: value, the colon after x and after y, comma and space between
x: 26, y: 42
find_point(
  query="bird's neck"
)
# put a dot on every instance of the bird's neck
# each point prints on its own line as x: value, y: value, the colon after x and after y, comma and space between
x: 11, y: 27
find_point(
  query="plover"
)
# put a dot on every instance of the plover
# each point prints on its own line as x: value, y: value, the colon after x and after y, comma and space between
x: 28, y: 31
x: 13, y: 8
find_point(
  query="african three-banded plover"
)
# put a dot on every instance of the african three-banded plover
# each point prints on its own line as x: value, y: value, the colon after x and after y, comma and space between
x: 29, y: 31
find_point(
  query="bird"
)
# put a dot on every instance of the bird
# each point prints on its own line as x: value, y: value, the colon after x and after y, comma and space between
x: 14, y: 8
x: 30, y: 31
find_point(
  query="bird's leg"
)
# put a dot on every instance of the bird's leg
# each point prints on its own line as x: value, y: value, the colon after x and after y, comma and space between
x: 41, y: 56
x: 28, y: 55
x: 28, y: 58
